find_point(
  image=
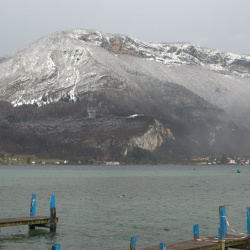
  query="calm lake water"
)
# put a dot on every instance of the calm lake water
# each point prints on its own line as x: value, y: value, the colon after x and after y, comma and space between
x: 102, y: 207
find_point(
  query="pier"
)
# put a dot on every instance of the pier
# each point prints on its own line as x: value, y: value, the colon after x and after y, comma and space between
x: 221, y: 241
x: 34, y: 221
x: 192, y: 244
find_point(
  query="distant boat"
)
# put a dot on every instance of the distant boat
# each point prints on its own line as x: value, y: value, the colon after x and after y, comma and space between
x: 238, y: 171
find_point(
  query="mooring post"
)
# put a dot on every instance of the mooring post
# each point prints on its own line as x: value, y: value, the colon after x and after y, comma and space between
x: 222, y: 214
x: 133, y: 243
x: 56, y: 247
x: 196, y: 232
x: 52, y: 214
x: 248, y: 222
x: 33, y: 205
x: 32, y: 209
x: 221, y: 236
x: 162, y: 246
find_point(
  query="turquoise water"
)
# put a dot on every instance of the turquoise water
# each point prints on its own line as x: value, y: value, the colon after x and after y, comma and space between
x: 102, y: 207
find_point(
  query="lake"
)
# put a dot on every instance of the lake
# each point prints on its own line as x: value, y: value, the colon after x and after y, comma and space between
x: 102, y: 207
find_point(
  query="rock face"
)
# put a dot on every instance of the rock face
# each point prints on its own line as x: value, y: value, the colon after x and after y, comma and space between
x: 75, y: 94
x: 153, y: 138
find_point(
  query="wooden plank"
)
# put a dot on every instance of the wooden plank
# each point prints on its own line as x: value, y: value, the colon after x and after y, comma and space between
x: 239, y: 244
x: 185, y: 245
x: 19, y: 221
x: 234, y: 242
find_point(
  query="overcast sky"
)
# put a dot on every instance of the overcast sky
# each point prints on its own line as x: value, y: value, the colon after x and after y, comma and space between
x: 217, y: 24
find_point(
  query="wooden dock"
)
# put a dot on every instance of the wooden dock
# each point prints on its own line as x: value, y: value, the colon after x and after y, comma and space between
x: 194, y: 244
x: 37, y: 221
x: 34, y: 221
x: 222, y: 241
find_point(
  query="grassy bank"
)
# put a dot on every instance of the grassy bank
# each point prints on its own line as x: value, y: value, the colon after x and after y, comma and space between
x: 10, y: 159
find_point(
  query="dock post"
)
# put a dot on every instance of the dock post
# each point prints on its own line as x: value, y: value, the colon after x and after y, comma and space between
x: 56, y: 247
x: 52, y: 214
x: 133, y: 243
x: 32, y: 209
x: 221, y: 236
x: 248, y: 222
x: 222, y: 214
x: 33, y: 205
x: 196, y: 231
x: 162, y: 246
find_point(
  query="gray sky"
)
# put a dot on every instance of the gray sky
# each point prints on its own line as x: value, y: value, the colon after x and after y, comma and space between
x: 217, y: 24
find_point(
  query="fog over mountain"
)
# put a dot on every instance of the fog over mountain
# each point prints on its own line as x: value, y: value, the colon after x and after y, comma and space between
x: 89, y: 95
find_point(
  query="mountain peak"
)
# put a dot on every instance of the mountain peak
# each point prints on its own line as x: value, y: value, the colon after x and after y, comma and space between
x: 168, y: 53
x: 177, y: 53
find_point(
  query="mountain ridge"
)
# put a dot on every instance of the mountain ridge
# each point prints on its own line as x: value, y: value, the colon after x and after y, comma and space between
x: 90, y: 77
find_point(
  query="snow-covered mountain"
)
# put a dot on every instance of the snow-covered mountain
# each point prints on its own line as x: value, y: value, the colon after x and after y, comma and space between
x: 77, y: 61
x: 182, y: 87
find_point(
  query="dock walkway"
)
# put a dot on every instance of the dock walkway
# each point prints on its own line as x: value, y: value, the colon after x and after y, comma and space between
x: 222, y: 241
x: 34, y: 221
x: 234, y: 242
x: 40, y: 221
